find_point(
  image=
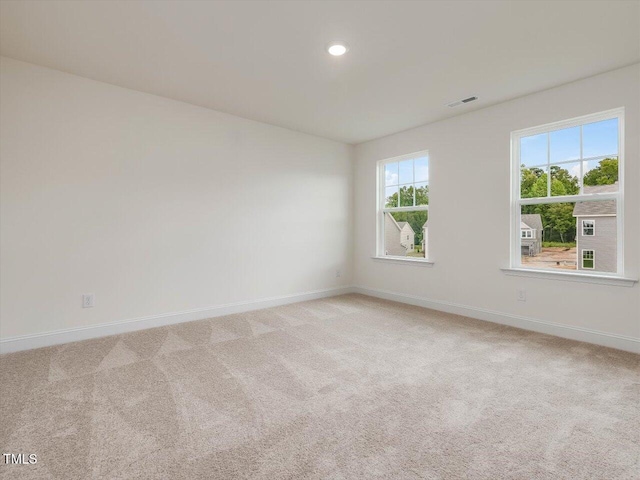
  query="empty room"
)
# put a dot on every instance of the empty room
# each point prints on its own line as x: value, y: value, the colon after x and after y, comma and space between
x: 319, y: 239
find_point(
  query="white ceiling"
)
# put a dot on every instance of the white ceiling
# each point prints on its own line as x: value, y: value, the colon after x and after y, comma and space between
x: 265, y: 60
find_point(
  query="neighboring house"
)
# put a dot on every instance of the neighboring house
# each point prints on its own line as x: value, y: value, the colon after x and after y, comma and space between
x: 597, y: 231
x: 531, y: 233
x: 424, y: 238
x: 399, y: 237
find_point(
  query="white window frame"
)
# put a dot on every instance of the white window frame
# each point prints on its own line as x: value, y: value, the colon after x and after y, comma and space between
x: 593, y: 227
x: 525, y: 232
x: 382, y: 209
x: 517, y: 202
x: 593, y: 258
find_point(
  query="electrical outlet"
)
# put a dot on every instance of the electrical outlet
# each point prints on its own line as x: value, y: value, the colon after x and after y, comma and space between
x: 522, y: 295
x: 88, y: 300
x: 338, y: 273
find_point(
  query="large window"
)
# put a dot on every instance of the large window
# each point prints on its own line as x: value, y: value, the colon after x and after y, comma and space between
x: 403, y: 206
x: 567, y: 177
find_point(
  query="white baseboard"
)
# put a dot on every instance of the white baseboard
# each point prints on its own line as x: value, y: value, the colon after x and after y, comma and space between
x: 28, y: 342
x: 619, y: 342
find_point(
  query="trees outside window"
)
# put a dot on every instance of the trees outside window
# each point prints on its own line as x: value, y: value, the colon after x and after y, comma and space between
x: 562, y: 173
x: 403, y: 208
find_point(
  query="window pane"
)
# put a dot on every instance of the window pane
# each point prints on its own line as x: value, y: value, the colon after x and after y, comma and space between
x: 600, y: 175
x: 422, y: 169
x: 533, y: 182
x: 422, y: 194
x: 553, y: 236
x: 391, y: 174
x: 406, y: 172
x: 406, y: 196
x: 556, y: 241
x: 404, y: 234
x: 533, y: 150
x: 564, y: 145
x: 565, y: 179
x: 600, y: 138
x: 391, y: 195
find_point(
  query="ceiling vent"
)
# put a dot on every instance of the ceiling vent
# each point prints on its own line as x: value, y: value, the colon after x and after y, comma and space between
x: 462, y: 102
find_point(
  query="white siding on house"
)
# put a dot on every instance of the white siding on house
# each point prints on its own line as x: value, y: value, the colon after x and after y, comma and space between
x: 399, y: 237
x: 407, y: 238
x: 392, y: 244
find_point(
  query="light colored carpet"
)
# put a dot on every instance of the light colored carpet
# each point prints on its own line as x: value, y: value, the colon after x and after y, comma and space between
x: 348, y: 387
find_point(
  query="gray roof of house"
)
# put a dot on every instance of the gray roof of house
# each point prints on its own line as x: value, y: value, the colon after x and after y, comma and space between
x: 402, y: 224
x: 601, y: 188
x: 596, y: 208
x: 533, y: 220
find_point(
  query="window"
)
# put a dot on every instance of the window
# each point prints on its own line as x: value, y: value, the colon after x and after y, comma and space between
x: 403, y: 206
x: 588, y: 228
x: 565, y: 177
x: 588, y: 259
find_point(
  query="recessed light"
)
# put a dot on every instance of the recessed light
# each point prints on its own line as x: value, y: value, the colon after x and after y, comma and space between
x: 337, y: 48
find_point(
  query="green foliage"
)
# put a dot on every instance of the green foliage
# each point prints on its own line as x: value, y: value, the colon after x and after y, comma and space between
x: 415, y: 219
x: 559, y: 244
x: 406, y: 197
x: 562, y: 183
x: 532, y: 183
x: 560, y: 215
x: 606, y: 173
x: 557, y: 218
x: 422, y: 195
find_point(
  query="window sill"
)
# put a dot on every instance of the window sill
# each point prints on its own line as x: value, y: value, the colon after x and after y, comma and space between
x: 405, y: 261
x: 572, y: 277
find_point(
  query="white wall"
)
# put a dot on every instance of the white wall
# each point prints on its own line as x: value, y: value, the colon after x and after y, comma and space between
x: 469, y: 211
x: 156, y: 206
x: 144, y: 201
